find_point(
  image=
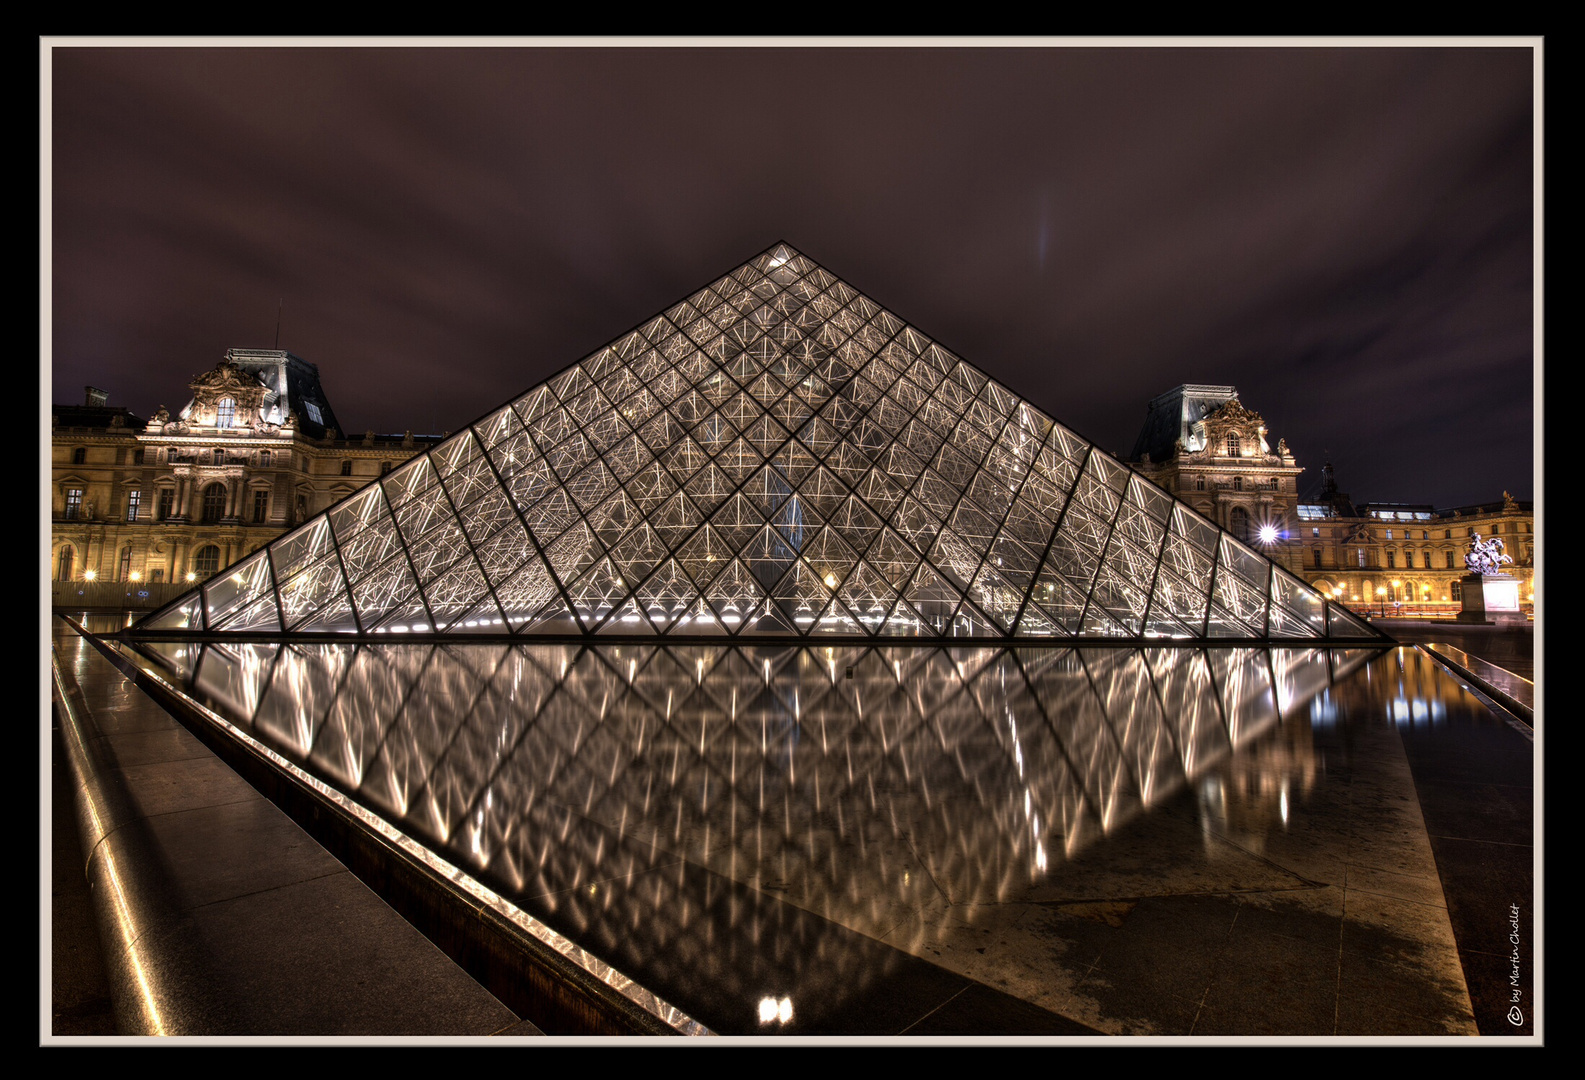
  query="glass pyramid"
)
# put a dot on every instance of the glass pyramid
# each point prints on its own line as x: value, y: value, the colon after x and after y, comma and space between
x: 777, y: 456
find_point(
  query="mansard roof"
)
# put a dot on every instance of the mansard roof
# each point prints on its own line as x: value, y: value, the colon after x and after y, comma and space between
x: 774, y: 457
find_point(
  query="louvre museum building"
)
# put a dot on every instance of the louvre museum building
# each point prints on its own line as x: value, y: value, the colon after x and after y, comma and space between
x: 765, y: 660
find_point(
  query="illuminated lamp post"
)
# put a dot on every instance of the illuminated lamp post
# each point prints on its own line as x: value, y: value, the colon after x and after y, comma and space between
x: 1381, y: 599
x: 90, y: 575
x: 1396, y: 603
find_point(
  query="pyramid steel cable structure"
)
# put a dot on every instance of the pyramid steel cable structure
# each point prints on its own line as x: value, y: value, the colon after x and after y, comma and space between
x: 777, y: 456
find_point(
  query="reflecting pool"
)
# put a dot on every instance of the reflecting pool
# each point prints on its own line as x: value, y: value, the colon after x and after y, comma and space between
x: 762, y: 835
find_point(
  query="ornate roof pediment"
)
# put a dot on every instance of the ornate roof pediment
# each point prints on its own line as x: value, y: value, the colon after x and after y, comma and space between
x: 227, y: 379
x: 1233, y: 419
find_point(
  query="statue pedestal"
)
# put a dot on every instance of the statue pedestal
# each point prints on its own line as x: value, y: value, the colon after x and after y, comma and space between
x: 1491, y: 600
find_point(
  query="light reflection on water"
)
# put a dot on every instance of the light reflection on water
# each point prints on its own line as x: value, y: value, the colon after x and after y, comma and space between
x: 657, y: 804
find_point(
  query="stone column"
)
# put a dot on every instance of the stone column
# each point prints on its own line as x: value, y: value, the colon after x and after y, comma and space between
x: 184, y: 493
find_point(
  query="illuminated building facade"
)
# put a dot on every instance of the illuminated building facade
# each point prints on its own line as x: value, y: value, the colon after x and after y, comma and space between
x: 175, y: 499
x: 774, y: 457
x: 1408, y: 559
x: 1203, y: 445
x: 1200, y: 443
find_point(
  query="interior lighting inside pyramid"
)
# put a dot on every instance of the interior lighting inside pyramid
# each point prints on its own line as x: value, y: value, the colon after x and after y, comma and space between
x: 775, y: 456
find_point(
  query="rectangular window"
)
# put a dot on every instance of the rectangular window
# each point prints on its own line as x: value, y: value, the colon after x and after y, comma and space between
x: 261, y: 506
x: 346, y: 468
x: 1450, y: 560
x: 1317, y: 558
x: 167, y: 498
x: 156, y: 575
x: 79, y: 456
x: 264, y: 459
x: 134, y: 499
x: 74, y: 503
x: 385, y: 467
x: 1315, y: 531
x: 1392, y: 559
x: 137, y: 456
x: 1362, y: 556
x: 1389, y: 534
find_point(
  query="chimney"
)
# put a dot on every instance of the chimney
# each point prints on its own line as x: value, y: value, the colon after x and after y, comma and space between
x: 96, y: 397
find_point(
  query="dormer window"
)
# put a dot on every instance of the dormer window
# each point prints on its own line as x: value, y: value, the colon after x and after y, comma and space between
x: 1233, y: 446
x: 226, y: 412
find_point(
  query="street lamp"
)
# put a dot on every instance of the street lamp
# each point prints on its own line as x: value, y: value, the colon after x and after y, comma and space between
x: 1396, y: 585
x: 1381, y: 599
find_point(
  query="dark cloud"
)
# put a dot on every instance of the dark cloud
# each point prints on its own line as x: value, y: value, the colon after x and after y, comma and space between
x: 1344, y: 234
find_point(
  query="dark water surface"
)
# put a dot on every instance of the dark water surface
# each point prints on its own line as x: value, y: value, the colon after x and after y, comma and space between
x: 740, y: 829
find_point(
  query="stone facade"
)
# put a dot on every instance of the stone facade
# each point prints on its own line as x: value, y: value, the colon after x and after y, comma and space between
x: 1201, y: 444
x: 169, y: 500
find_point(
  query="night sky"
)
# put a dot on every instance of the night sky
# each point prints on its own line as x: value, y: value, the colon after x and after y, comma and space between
x: 1344, y: 234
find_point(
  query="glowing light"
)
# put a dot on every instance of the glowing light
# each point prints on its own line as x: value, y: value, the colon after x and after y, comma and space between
x: 831, y: 581
x: 90, y: 575
x: 1268, y: 534
x: 771, y: 1010
x: 191, y: 576
x: 136, y: 576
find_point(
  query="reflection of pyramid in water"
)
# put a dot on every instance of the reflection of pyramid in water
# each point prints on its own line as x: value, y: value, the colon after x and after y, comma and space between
x: 776, y: 455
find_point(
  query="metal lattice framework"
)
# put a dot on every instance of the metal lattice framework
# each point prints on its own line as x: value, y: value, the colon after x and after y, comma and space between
x: 776, y: 456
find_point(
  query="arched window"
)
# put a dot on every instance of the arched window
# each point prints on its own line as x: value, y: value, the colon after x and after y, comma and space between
x: 68, y: 556
x: 226, y: 412
x: 1238, y: 523
x: 214, y: 503
x: 206, y: 561
x: 124, y: 565
x: 1233, y: 446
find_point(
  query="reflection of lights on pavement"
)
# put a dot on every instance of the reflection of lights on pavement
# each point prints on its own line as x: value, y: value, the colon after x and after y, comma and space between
x: 774, y: 1011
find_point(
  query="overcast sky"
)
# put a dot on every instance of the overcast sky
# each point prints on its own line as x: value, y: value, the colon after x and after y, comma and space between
x: 1344, y: 234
